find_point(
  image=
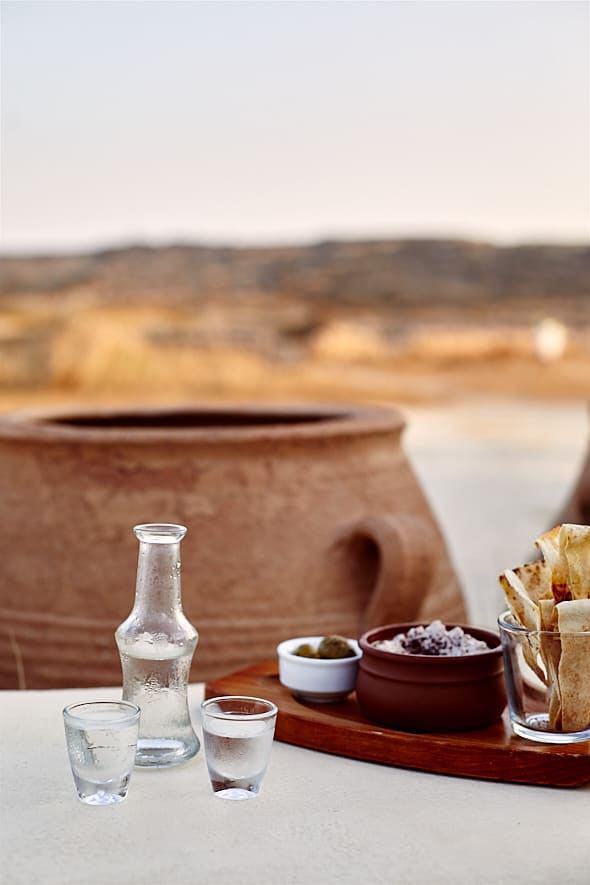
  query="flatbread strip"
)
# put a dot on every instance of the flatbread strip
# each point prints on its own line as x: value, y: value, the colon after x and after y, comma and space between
x: 526, y: 613
x: 524, y: 609
x: 536, y: 580
x: 566, y: 551
x: 574, y: 545
x: 553, y: 597
x: 550, y: 648
x: 573, y: 617
x: 549, y: 546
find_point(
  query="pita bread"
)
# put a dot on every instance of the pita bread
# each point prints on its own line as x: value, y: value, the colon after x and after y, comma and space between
x: 550, y: 547
x: 520, y: 604
x: 550, y: 649
x: 574, y: 542
x: 573, y: 618
x: 548, y: 544
x: 551, y: 598
x: 536, y: 579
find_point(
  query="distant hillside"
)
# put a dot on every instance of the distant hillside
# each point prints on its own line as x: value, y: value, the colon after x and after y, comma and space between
x: 390, y: 272
x: 397, y: 320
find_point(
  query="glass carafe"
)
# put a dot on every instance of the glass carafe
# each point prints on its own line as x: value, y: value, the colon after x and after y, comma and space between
x: 156, y: 644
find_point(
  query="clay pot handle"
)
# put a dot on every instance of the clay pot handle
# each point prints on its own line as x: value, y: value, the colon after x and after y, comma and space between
x: 406, y: 546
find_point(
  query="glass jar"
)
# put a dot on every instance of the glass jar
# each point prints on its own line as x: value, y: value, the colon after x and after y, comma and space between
x: 156, y: 644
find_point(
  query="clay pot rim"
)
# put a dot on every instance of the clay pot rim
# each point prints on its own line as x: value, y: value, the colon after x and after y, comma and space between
x: 301, y: 421
x: 388, y: 631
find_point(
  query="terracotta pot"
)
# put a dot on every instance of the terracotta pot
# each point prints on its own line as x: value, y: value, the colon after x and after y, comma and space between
x: 302, y: 520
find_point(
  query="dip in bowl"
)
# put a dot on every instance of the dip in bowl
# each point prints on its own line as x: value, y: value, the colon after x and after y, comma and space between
x: 415, y: 687
x: 317, y: 680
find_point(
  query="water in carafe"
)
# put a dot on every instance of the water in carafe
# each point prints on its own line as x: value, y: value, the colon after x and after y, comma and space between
x: 156, y: 644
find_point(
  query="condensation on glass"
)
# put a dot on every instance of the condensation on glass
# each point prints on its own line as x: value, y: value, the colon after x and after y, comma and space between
x: 156, y: 644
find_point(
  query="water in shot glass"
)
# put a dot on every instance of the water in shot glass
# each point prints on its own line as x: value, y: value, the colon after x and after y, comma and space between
x: 237, y: 735
x: 546, y: 675
x: 101, y: 738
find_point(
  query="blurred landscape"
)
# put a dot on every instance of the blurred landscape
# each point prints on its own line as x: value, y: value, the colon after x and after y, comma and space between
x: 410, y: 321
x: 486, y: 349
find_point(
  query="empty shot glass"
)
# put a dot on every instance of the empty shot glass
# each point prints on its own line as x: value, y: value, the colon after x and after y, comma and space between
x: 237, y: 736
x: 101, y: 738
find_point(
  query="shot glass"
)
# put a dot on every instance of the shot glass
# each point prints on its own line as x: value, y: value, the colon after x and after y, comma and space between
x: 101, y: 738
x: 237, y: 736
x: 547, y: 682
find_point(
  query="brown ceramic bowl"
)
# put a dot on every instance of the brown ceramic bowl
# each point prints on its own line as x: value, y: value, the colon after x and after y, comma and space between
x: 429, y: 693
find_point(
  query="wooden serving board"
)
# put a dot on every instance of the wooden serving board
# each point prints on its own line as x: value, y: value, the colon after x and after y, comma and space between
x: 492, y: 753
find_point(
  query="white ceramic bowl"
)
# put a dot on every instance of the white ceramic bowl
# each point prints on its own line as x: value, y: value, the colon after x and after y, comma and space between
x: 319, y: 680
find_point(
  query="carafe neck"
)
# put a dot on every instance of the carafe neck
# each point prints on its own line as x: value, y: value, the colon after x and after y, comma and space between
x: 158, y: 583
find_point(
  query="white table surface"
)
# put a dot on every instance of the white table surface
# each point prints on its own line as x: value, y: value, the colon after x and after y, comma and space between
x: 319, y: 819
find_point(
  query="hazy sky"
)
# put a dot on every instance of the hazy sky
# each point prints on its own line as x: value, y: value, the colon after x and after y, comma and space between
x: 271, y: 122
